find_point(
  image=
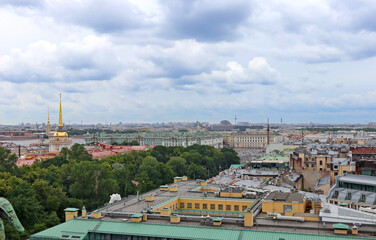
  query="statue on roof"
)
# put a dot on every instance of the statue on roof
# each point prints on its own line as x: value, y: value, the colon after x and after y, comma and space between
x: 7, y: 212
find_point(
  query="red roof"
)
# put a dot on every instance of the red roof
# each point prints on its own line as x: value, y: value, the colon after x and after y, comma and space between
x: 363, y: 150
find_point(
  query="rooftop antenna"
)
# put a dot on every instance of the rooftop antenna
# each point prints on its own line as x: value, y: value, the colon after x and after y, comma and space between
x: 235, y: 119
x: 281, y: 120
x: 302, y: 137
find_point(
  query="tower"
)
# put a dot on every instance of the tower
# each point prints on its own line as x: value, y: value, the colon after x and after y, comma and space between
x: 268, y: 133
x: 48, y: 126
x: 60, y: 126
x: 60, y: 138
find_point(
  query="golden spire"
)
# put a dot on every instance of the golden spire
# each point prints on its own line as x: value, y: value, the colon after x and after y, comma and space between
x: 48, y: 127
x: 198, y: 126
x: 60, y: 126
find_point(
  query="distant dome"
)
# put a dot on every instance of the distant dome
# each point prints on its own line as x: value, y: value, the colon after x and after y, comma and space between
x: 60, y: 134
x: 225, y: 122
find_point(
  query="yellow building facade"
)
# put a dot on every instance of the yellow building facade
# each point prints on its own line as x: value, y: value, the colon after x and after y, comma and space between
x: 209, y: 206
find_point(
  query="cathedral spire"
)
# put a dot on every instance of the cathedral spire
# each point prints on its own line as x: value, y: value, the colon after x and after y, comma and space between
x: 48, y: 126
x: 60, y: 126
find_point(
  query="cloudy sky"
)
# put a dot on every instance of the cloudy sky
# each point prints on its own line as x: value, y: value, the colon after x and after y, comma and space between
x: 188, y: 60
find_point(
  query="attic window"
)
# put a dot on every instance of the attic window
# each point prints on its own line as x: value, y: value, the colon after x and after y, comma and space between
x: 65, y: 236
x: 75, y: 237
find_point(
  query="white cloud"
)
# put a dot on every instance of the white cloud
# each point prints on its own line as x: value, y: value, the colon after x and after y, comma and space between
x: 155, y: 60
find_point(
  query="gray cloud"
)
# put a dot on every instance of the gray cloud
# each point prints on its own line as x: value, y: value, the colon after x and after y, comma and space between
x: 204, y: 20
x: 111, y: 16
x: 23, y: 3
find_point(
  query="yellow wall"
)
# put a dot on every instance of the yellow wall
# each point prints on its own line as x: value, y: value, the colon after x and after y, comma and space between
x: 248, y: 219
x: 137, y: 219
x: 278, y: 207
x: 173, y: 189
x: 96, y: 215
x: 182, y: 203
x: 175, y: 219
x: 149, y: 198
x: 231, y: 194
x: 166, y: 211
x: 217, y: 223
x: 207, y: 189
x: 184, y: 178
x: 312, y: 219
x: 70, y: 215
x: 340, y: 231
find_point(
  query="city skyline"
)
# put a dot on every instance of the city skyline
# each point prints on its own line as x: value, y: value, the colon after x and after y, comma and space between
x: 154, y: 61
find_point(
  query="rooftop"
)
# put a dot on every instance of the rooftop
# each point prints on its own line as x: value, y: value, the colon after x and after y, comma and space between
x: 358, y: 179
x: 79, y: 228
x: 285, y: 197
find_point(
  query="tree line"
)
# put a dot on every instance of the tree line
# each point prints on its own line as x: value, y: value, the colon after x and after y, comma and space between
x: 40, y: 193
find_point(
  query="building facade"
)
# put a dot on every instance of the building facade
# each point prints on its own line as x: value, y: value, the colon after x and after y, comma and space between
x: 353, y: 191
x: 167, y: 139
x: 250, y: 140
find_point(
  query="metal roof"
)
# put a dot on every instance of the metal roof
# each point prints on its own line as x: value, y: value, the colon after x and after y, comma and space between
x: 341, y: 226
x: 71, y: 209
x: 80, y: 228
x: 359, y: 179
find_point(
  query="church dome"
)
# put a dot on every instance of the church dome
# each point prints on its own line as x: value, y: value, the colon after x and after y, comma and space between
x: 60, y: 134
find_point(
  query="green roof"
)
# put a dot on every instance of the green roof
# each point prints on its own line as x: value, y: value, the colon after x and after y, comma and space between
x: 178, y: 177
x: 341, y: 226
x: 343, y: 204
x: 80, y: 228
x: 217, y: 219
x: 71, y: 209
x: 137, y: 215
x: 236, y: 166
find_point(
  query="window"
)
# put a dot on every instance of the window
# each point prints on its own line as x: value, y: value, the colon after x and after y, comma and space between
x: 181, y: 205
x: 312, y: 165
x: 306, y: 159
x: 362, y: 198
x: 197, y: 206
x: 335, y: 195
x: 320, y: 162
x: 348, y: 196
x: 189, y: 205
x: 228, y: 207
x: 220, y: 207
x: 212, y: 206
x: 236, y: 208
x: 287, y: 208
x: 204, y: 206
x: 244, y: 208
